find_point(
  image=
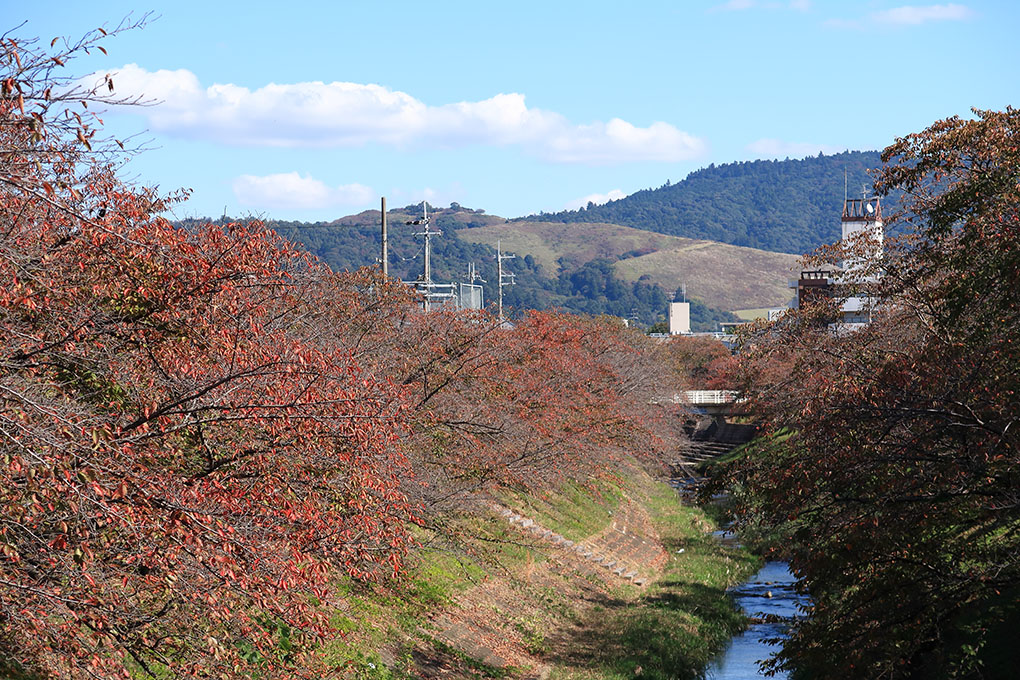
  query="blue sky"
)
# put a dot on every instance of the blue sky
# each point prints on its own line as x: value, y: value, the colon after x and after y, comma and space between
x: 312, y: 110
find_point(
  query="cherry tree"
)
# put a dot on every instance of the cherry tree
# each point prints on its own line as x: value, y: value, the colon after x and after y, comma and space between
x: 190, y: 455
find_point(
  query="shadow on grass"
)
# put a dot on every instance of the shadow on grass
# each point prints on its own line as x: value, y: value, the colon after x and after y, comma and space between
x: 672, y: 632
x: 11, y: 668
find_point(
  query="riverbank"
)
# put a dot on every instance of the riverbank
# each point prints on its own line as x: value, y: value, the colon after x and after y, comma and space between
x: 609, y: 582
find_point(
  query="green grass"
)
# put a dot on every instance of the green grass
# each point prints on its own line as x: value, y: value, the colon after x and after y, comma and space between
x: 671, y: 629
x: 576, y: 511
x: 752, y: 314
x: 470, y: 666
x: 393, y: 615
x: 676, y: 627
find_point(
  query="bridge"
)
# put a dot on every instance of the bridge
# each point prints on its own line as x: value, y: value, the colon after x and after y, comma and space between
x: 714, y: 397
x: 715, y: 403
x: 712, y: 436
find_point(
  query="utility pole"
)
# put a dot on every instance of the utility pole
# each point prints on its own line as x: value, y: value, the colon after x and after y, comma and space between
x: 503, y: 279
x: 473, y: 274
x: 428, y: 255
x: 428, y: 234
x: 385, y: 243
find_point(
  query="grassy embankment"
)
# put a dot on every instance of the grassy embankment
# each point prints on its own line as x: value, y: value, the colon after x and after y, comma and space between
x: 503, y: 604
x: 511, y: 598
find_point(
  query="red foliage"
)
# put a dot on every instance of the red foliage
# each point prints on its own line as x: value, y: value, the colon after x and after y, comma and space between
x: 188, y: 450
x: 891, y: 481
x: 182, y: 433
x: 203, y: 429
x: 549, y: 399
x: 701, y: 362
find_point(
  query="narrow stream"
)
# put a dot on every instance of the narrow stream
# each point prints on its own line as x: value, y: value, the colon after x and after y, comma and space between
x: 769, y: 598
x: 769, y: 593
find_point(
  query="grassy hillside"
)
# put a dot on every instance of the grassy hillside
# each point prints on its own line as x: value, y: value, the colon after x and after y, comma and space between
x: 723, y: 276
x: 562, y: 247
x: 727, y: 277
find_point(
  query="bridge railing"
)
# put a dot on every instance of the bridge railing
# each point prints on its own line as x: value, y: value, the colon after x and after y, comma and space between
x: 701, y: 397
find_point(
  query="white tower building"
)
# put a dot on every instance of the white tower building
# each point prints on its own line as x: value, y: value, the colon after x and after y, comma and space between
x: 862, y: 230
x: 679, y: 318
x: 862, y: 236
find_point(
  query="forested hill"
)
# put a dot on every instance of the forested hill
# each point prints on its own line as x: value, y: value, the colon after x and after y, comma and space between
x: 790, y: 206
x: 592, y: 287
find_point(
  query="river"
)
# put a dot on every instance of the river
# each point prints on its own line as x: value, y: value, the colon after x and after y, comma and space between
x: 769, y: 593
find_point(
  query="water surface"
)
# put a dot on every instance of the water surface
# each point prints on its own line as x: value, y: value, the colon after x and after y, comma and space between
x: 770, y: 592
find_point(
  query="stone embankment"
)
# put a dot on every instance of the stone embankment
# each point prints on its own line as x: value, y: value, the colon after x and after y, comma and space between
x: 712, y: 439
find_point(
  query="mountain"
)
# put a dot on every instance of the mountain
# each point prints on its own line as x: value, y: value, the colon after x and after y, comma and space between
x: 588, y: 286
x: 720, y: 275
x: 789, y: 206
x: 726, y: 232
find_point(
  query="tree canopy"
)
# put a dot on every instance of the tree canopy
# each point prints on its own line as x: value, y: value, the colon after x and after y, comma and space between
x: 203, y: 429
x: 890, y: 475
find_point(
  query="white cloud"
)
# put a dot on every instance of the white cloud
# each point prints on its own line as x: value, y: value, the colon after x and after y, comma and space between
x: 912, y: 15
x: 735, y: 5
x: 775, y: 148
x: 619, y: 141
x: 908, y: 15
x: 291, y: 190
x: 597, y: 199
x: 738, y: 5
x: 337, y: 114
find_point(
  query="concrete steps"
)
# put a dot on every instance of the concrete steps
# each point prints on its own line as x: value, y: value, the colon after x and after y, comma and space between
x: 626, y: 557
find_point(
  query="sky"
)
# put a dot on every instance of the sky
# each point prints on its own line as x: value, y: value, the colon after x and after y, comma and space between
x: 307, y: 110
